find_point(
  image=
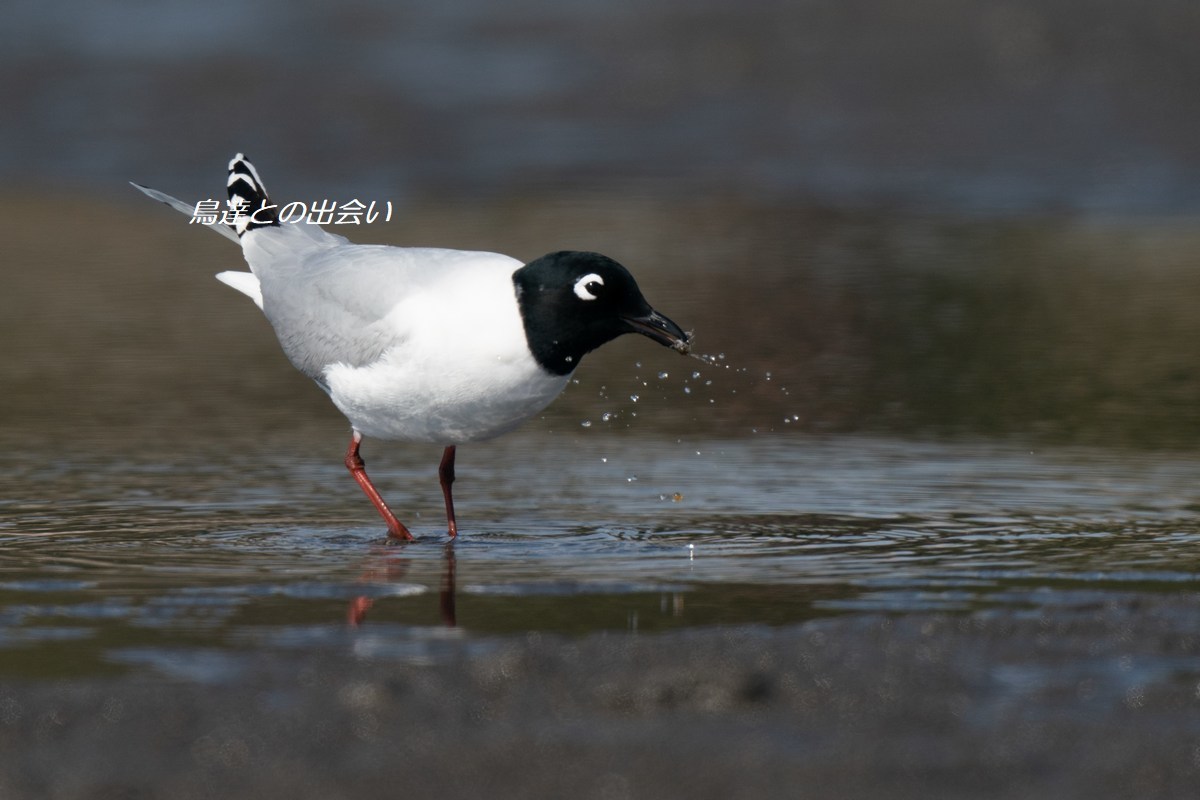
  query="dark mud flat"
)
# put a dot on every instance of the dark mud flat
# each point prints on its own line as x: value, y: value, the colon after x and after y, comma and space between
x: 1098, y: 702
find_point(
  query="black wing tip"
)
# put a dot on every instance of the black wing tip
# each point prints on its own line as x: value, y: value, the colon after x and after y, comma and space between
x: 247, y: 192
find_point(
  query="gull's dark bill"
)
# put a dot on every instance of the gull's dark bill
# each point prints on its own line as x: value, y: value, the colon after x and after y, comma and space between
x: 662, y: 330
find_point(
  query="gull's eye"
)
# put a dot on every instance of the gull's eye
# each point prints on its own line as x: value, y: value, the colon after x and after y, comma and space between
x: 587, y: 286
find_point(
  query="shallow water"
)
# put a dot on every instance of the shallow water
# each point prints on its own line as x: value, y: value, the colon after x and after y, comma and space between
x: 184, y: 566
x: 902, y: 415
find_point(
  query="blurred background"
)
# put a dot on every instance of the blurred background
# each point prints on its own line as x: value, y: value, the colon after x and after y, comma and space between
x: 924, y: 218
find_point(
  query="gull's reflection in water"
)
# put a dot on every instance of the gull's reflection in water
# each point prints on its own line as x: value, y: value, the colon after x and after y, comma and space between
x: 385, y: 565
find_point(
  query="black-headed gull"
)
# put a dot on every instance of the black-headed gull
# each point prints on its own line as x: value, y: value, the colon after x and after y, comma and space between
x: 424, y: 344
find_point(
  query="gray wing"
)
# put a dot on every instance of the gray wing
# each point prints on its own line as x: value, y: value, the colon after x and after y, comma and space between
x: 183, y: 208
x: 333, y: 305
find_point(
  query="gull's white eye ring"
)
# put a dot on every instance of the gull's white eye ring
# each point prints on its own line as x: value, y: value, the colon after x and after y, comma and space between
x: 585, y: 287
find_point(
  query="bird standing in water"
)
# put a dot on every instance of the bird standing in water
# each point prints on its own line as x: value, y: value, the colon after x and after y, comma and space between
x: 426, y: 344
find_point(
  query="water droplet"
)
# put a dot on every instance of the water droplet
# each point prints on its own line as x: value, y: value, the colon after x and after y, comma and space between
x: 607, y: 416
x: 587, y: 423
x: 662, y: 376
x: 637, y: 364
x: 631, y: 479
x: 687, y: 390
x: 720, y: 356
x: 708, y: 383
x: 603, y: 459
x: 633, y: 397
x: 768, y: 376
x: 696, y: 374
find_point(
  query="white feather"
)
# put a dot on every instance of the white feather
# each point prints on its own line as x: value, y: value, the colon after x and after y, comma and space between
x: 244, y: 282
x: 415, y: 344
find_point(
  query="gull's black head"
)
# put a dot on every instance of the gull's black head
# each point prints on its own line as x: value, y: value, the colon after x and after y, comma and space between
x: 573, y: 302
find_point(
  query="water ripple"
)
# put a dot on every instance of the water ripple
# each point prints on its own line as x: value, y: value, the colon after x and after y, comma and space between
x: 863, y: 526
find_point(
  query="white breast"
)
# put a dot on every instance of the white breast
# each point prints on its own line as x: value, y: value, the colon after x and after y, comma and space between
x: 395, y: 399
x: 460, y: 369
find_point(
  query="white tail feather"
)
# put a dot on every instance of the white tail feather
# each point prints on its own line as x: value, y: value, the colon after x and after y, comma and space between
x: 244, y: 282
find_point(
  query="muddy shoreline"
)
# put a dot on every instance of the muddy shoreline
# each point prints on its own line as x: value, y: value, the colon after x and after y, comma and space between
x: 1097, y: 701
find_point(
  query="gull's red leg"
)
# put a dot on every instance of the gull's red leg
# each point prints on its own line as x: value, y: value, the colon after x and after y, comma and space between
x: 446, y: 476
x: 358, y: 471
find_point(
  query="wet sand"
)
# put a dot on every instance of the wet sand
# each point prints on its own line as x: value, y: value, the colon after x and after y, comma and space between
x: 982, y: 705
